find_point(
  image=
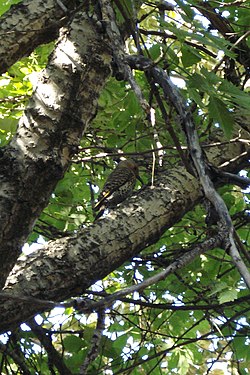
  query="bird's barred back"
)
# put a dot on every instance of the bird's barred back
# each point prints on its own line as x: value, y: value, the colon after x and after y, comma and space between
x: 118, y: 178
x: 120, y: 194
x: 118, y: 186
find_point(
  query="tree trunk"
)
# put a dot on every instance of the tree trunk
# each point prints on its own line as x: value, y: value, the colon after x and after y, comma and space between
x: 61, y: 107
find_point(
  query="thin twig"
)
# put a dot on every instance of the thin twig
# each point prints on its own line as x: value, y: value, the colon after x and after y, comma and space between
x: 54, y: 358
x: 95, y: 342
x: 114, y: 35
x: 187, y: 258
x: 18, y: 361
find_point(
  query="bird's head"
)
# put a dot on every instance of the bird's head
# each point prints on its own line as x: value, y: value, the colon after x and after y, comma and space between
x: 130, y: 164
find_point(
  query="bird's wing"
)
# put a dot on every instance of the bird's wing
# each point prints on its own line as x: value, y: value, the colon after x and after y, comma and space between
x: 115, y: 180
x: 104, y: 195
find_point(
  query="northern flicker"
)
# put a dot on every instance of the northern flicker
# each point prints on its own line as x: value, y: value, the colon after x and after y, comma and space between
x: 119, y: 185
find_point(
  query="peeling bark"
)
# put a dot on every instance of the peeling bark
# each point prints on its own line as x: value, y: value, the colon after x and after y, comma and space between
x: 66, y: 267
x: 61, y: 107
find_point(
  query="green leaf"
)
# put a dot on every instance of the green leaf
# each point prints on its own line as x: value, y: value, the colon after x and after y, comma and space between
x: 195, y: 95
x: 183, y: 364
x: 211, y: 77
x: 187, y: 9
x: 155, y: 51
x: 75, y: 361
x: 73, y: 343
x: 189, y: 56
x: 236, y: 95
x: 219, y: 113
x: 199, y: 82
x: 8, y: 125
x: 227, y: 295
x: 109, y: 348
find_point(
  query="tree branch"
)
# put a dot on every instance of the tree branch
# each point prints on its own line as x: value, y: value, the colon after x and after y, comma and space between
x: 60, y: 109
x: 172, y: 93
x: 54, y: 358
x: 165, y: 35
x: 207, y: 244
x: 223, y: 25
x: 16, y: 358
x: 97, y: 250
x: 116, y: 41
x: 27, y: 25
x: 95, y: 342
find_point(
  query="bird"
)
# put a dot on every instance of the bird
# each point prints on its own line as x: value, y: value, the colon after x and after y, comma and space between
x: 118, y: 186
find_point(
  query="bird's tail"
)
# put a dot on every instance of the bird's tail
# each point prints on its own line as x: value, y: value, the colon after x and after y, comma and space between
x: 99, y: 204
x: 100, y: 213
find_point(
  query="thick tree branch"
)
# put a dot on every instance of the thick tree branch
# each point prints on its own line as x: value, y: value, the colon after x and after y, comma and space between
x: 66, y: 267
x: 27, y: 25
x: 62, y: 105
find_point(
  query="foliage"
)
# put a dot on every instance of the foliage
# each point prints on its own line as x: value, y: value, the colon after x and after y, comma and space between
x: 197, y: 317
